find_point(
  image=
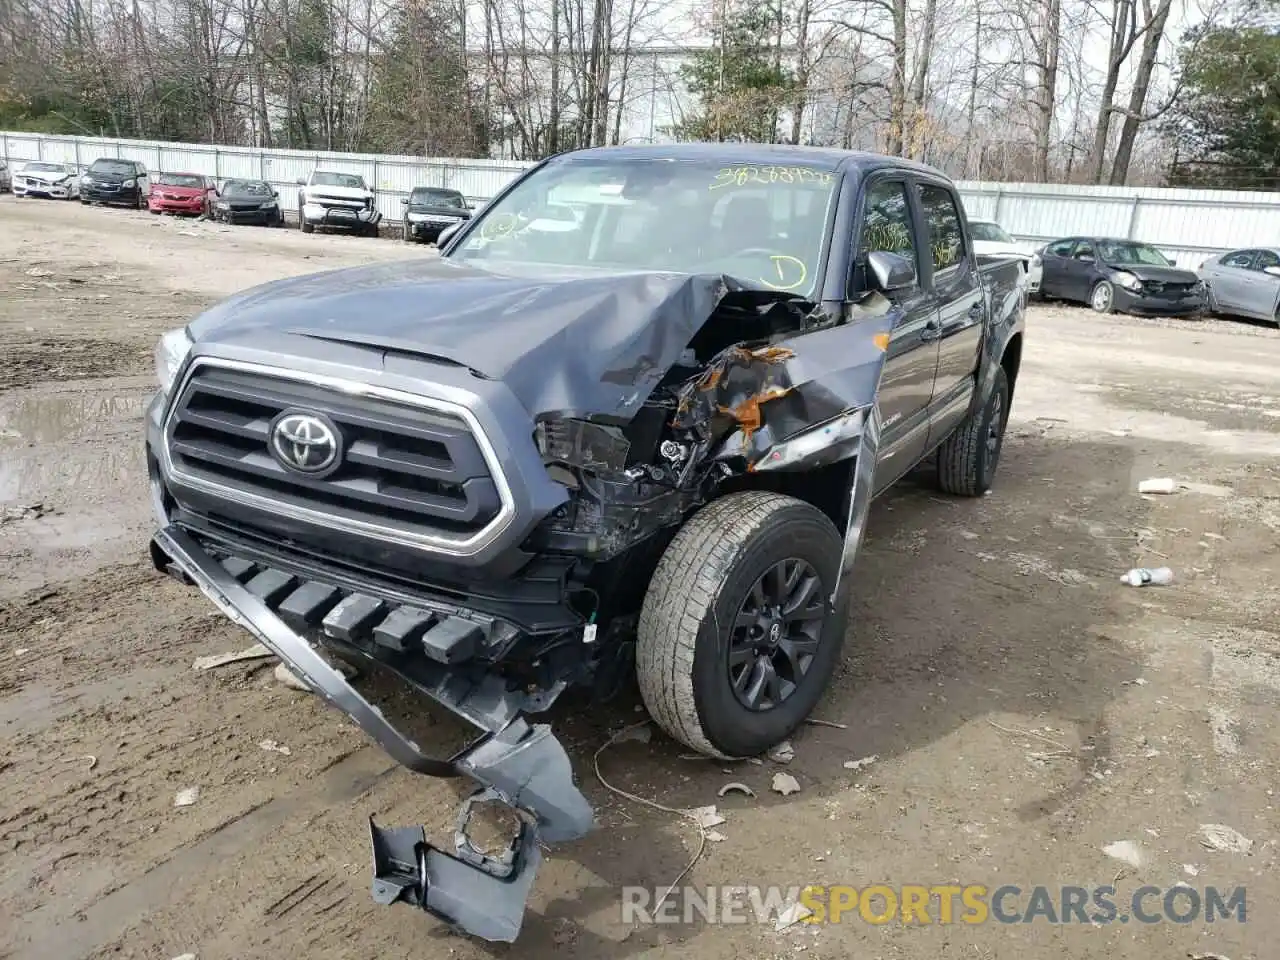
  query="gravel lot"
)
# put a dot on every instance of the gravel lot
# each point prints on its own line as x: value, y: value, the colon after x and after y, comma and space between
x: 1025, y: 708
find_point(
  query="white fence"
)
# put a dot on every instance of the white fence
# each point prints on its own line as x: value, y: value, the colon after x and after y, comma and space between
x: 1189, y: 225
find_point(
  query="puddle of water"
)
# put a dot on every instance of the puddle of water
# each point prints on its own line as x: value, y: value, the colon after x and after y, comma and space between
x: 97, y: 469
x: 41, y: 418
x: 88, y: 443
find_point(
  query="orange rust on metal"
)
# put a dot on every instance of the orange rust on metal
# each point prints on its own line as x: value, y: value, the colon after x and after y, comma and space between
x: 772, y: 354
x: 711, y: 378
x: 881, y: 340
x: 747, y: 412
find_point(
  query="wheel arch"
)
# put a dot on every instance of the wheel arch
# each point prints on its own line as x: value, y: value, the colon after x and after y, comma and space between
x: 1011, y: 361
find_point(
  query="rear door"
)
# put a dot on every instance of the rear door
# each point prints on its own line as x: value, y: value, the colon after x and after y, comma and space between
x: 888, y: 224
x: 956, y: 286
x: 1053, y: 262
x: 1262, y: 289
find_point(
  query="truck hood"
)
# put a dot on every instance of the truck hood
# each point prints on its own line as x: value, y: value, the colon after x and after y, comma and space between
x: 572, y: 344
x: 995, y: 248
x: 338, y: 193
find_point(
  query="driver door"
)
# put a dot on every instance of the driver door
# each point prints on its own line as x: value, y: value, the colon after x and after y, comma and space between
x: 1078, y: 272
x: 911, y: 361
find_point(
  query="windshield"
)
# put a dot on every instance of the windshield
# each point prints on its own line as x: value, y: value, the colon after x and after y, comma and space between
x: 180, y: 180
x: 1113, y: 252
x: 44, y: 168
x: 246, y: 188
x: 440, y: 198
x: 985, y: 230
x: 763, y: 224
x: 112, y: 166
x: 349, y: 180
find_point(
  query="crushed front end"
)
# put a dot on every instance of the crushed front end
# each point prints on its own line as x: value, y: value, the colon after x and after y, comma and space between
x: 473, y: 524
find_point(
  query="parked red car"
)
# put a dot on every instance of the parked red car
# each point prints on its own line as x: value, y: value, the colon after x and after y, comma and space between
x: 191, y: 193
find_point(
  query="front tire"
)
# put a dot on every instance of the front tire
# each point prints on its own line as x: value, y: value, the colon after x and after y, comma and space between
x: 303, y: 225
x: 1103, y: 297
x: 737, y: 637
x: 967, y: 459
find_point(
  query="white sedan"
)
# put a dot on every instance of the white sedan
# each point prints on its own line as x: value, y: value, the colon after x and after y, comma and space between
x: 992, y: 240
x: 40, y: 178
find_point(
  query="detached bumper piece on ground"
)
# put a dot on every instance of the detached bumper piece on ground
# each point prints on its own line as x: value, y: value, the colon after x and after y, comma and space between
x: 513, y: 762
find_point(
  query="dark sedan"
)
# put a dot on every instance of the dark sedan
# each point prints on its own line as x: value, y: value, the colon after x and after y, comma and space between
x: 1118, y: 275
x: 249, y: 201
x: 430, y: 210
x: 111, y: 180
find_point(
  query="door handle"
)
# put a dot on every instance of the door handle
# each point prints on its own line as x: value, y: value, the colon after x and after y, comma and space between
x: 932, y: 330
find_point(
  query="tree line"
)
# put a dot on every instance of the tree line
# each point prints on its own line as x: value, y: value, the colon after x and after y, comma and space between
x: 1097, y: 91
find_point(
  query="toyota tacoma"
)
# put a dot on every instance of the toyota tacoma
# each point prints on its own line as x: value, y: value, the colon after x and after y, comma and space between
x: 629, y: 422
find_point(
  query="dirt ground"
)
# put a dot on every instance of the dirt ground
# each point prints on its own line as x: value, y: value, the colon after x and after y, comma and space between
x: 1024, y: 708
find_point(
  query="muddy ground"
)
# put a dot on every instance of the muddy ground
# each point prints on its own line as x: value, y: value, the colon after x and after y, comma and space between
x: 1024, y: 708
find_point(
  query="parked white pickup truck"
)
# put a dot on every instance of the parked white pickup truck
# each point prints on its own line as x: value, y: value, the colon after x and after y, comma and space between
x: 327, y: 199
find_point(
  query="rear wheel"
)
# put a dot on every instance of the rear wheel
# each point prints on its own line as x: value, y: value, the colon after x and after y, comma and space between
x: 967, y: 459
x: 737, y: 638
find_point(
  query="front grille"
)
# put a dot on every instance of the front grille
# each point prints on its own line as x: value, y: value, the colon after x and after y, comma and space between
x: 1163, y: 289
x: 416, y: 470
x: 346, y: 203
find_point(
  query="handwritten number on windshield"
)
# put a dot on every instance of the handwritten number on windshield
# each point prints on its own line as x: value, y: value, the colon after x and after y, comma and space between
x: 768, y: 175
x: 791, y: 273
x: 495, y: 228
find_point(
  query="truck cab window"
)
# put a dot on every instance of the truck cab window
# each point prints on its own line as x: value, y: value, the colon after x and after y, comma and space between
x: 946, y: 238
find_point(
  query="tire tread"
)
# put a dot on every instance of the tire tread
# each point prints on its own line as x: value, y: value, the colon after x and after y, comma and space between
x: 684, y: 589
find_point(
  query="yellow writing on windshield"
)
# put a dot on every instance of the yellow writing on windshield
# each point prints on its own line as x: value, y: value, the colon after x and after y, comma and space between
x: 791, y: 272
x: 503, y: 225
x: 767, y: 174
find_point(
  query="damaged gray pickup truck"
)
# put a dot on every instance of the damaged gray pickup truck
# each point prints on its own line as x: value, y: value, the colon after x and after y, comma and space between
x: 628, y: 423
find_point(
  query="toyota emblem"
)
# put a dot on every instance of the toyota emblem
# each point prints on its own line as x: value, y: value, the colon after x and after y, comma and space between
x: 305, y: 442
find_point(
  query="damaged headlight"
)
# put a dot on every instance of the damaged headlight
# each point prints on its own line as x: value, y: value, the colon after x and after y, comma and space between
x: 581, y: 443
x: 171, y: 352
x: 1128, y: 281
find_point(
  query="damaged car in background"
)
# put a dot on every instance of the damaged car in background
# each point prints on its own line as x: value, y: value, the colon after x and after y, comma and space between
x: 628, y: 424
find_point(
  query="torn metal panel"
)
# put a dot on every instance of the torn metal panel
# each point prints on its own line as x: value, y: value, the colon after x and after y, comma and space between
x: 523, y: 766
x: 750, y: 399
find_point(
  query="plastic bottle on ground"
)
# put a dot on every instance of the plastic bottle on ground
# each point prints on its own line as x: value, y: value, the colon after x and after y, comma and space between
x: 1143, y: 576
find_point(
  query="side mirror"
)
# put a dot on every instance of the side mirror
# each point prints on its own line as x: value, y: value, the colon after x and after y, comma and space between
x: 446, y: 235
x: 404, y: 200
x: 275, y: 194
x: 302, y: 181
x: 890, y: 271
x: 1274, y: 271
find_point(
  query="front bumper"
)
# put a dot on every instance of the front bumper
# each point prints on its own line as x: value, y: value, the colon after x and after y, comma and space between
x: 1149, y: 305
x: 130, y: 195
x: 427, y: 229
x: 258, y: 216
x: 193, y: 206
x: 349, y: 217
x: 52, y: 190
x: 513, y: 762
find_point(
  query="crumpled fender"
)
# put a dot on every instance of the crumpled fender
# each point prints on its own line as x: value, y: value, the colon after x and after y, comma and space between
x: 793, y: 404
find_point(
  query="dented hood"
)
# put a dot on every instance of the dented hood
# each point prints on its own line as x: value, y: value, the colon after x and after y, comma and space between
x: 572, y: 343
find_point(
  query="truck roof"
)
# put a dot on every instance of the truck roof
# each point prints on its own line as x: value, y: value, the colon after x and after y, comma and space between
x: 754, y: 153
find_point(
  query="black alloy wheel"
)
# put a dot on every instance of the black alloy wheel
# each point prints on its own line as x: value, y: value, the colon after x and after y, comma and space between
x: 776, y: 634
